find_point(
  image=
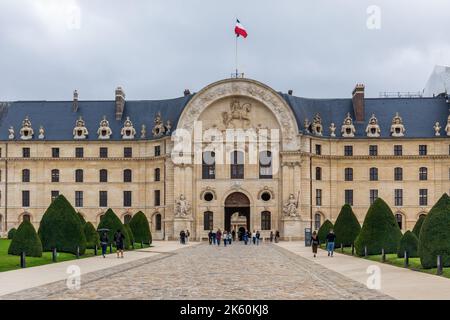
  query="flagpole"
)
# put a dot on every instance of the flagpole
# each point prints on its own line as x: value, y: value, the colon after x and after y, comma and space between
x: 237, y: 55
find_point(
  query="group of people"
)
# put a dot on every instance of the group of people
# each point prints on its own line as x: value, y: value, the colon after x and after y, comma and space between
x: 226, y: 236
x: 254, y: 237
x: 184, y: 236
x: 119, y: 240
x: 331, y: 237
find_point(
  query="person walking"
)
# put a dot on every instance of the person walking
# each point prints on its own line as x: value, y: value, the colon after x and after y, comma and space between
x: 187, y: 236
x: 314, y: 243
x: 271, y: 236
x: 330, y: 242
x: 277, y: 236
x: 214, y: 236
x: 254, y: 237
x: 258, y: 235
x: 119, y: 240
x: 182, y: 236
x: 210, y: 237
x: 230, y: 238
x: 104, y: 243
x: 225, y: 238
x: 245, y: 237
x: 233, y: 234
x: 218, y: 236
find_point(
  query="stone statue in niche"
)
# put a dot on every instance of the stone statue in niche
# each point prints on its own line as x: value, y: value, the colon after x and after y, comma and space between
x: 158, y: 129
x: 290, y: 209
x: 80, y: 131
x: 397, y: 127
x: 238, y: 117
x: 11, y: 133
x: 26, y: 132
x: 104, y: 131
x: 41, y: 132
x: 348, y: 129
x: 373, y: 129
x: 182, y: 207
x: 128, y: 131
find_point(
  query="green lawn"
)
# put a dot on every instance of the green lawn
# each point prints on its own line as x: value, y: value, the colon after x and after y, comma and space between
x: 9, y: 262
x: 414, y: 263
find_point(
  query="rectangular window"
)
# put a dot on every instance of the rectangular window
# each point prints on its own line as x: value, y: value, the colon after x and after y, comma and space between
x: 207, y: 221
x: 318, y: 149
x: 398, y: 174
x: 157, y: 198
x: 373, y: 174
x: 103, y: 152
x: 55, y: 152
x: 398, y: 197
x: 79, y: 152
x: 265, y: 220
x: 348, y: 151
x: 373, y: 150
x: 25, y: 152
x: 157, y: 151
x: 348, y: 174
x: 78, y: 199
x: 422, y: 150
x: 373, y: 195
x: 127, y: 198
x: 423, y: 197
x: 318, y: 197
x: 349, y: 197
x: 54, y: 195
x: 398, y: 150
x: 128, y: 152
x: 103, y: 198
x: 25, y: 198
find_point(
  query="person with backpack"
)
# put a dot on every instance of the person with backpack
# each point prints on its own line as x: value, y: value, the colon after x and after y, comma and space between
x: 218, y: 236
x: 104, y: 243
x: 314, y: 243
x: 119, y: 239
x: 330, y: 242
x: 210, y: 237
x: 258, y: 235
x: 182, y: 236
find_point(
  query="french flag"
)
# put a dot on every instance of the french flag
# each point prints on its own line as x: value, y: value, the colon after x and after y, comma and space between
x: 239, y: 30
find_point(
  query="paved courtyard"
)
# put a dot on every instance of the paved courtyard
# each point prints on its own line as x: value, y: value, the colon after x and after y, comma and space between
x: 210, y: 272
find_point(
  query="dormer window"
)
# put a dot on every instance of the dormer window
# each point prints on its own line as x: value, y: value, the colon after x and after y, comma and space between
x: 104, y: 131
x: 128, y: 131
x: 80, y: 131
x: 26, y: 132
x: 348, y: 129
x: 397, y: 127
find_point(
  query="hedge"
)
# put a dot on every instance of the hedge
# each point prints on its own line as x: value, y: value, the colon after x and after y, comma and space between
x: 26, y: 240
x: 346, y: 227
x: 129, y: 233
x: 140, y: 227
x: 11, y: 233
x: 112, y: 222
x: 92, y: 236
x: 82, y: 220
x: 434, y: 236
x: 409, y: 243
x: 324, y: 230
x: 61, y: 228
x: 379, y: 231
x: 418, y: 226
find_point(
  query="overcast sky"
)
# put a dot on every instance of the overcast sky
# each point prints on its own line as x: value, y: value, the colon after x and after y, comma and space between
x: 157, y: 48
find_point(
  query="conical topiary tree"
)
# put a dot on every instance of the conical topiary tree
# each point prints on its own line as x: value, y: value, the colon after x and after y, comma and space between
x: 92, y: 236
x: 112, y: 222
x: 26, y: 240
x: 82, y: 220
x: 346, y: 227
x: 129, y: 233
x: 324, y: 230
x: 379, y: 230
x: 11, y: 233
x: 409, y: 243
x: 140, y: 227
x: 61, y: 228
x: 418, y: 226
x: 434, y: 237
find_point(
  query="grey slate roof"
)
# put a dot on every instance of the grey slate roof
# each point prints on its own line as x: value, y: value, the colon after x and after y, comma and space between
x: 419, y: 115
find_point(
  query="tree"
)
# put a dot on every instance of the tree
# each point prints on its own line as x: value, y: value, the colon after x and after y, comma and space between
x: 140, y: 227
x: 409, y: 243
x: 129, y: 233
x: 379, y: 230
x: 26, y: 240
x: 324, y: 230
x: 61, y: 228
x: 112, y: 222
x: 346, y: 226
x: 434, y: 236
x: 82, y: 220
x: 92, y: 236
x: 11, y: 233
x: 418, y: 226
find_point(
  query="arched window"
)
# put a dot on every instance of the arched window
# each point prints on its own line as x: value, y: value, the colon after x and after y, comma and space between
x: 318, y: 173
x: 237, y: 165
x: 208, y: 222
x: 127, y: 176
x: 398, y: 174
x: 25, y: 175
x: 317, y: 221
x: 103, y: 175
x: 373, y: 173
x: 55, y: 175
x: 158, y: 222
x: 399, y: 219
x: 126, y: 218
x: 266, y: 220
x: 265, y: 165
x: 348, y: 174
x: 423, y: 173
x: 208, y: 165
x: 79, y: 177
x: 157, y: 174
x: 26, y: 217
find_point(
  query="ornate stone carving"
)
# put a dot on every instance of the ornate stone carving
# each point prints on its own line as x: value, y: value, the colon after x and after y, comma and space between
x: 168, y: 127
x: 307, y: 125
x: 143, y: 131
x: 244, y: 87
x: 80, y: 131
x: 41, y: 133
x: 182, y: 207
x: 128, y: 131
x: 373, y: 129
x: 26, y: 132
x: 158, y: 128
x: 239, y: 115
x: 397, y: 127
x: 104, y: 131
x: 437, y: 129
x: 332, y: 130
x: 290, y: 208
x: 11, y: 133
x: 348, y: 129
x: 447, y: 127
x: 317, y: 127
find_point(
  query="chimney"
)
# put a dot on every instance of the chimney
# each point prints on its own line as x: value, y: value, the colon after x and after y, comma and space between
x: 120, y: 103
x: 75, y: 101
x: 290, y: 92
x: 358, y: 102
x: 187, y: 92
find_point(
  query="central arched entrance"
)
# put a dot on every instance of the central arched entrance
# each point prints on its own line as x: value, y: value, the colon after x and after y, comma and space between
x: 237, y: 212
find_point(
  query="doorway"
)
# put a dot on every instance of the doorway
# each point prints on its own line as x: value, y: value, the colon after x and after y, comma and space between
x: 237, y: 212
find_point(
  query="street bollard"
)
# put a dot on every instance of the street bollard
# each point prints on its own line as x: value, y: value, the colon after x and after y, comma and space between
x: 439, y: 265
x: 365, y: 251
x: 22, y: 260
x: 353, y: 249
x: 95, y: 250
x: 54, y: 255
x: 406, y: 259
x: 383, y: 255
x: 78, y: 252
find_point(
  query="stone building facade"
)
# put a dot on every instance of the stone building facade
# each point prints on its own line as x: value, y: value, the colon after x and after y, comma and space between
x: 181, y: 162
